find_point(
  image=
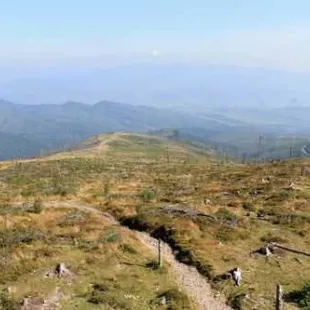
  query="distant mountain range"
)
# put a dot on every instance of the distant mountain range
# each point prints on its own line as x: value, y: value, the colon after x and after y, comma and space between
x: 26, y: 130
x: 29, y: 130
x: 275, y: 101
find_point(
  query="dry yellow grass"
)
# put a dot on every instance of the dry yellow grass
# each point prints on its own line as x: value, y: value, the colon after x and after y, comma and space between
x: 119, y: 178
x: 97, y: 253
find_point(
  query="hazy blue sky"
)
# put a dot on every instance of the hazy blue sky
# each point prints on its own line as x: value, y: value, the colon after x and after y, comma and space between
x: 268, y: 33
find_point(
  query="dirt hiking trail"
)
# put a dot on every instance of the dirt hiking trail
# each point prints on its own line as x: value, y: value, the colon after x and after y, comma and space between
x: 187, y: 277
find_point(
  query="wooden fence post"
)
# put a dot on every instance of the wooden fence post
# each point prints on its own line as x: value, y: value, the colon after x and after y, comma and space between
x: 279, y: 302
x: 168, y: 155
x: 159, y: 253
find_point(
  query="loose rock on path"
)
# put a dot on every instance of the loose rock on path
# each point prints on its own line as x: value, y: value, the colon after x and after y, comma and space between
x: 187, y: 277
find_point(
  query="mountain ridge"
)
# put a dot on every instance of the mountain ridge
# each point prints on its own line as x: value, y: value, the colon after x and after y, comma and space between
x: 55, y: 127
x: 50, y: 128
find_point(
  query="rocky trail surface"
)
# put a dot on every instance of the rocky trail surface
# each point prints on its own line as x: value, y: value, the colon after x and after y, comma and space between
x: 188, y: 278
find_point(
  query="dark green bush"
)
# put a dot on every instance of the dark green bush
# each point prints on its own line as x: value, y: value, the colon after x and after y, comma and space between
x: 110, y: 236
x: 18, y: 235
x: 282, y: 195
x: 97, y: 295
x: 300, y: 297
x: 236, y: 299
x: 146, y: 195
x: 8, y: 303
x: 105, y: 293
x: 224, y: 214
x: 285, y: 194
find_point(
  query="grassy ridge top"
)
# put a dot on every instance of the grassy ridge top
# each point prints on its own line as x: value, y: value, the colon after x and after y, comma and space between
x: 135, y: 147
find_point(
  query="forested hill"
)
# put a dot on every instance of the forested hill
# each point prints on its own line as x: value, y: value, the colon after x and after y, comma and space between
x: 30, y: 129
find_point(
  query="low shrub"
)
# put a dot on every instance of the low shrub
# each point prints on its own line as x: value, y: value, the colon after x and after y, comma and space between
x: 146, y: 195
x: 300, y: 297
x: 175, y: 300
x: 36, y: 207
x: 270, y: 237
x: 97, y: 295
x: 105, y: 293
x: 248, y: 206
x: 12, y: 270
x: 236, y: 299
x: 110, y: 236
x: 226, y: 216
x: 227, y: 234
x: 8, y: 303
x: 273, y: 210
x: 18, y: 235
x: 294, y: 220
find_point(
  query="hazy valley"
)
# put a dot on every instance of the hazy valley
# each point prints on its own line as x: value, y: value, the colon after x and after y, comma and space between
x: 34, y: 130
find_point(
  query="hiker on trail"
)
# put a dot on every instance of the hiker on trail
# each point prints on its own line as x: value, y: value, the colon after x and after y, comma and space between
x: 236, y: 275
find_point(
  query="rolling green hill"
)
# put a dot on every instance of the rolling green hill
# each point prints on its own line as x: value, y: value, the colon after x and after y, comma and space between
x: 137, y: 147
